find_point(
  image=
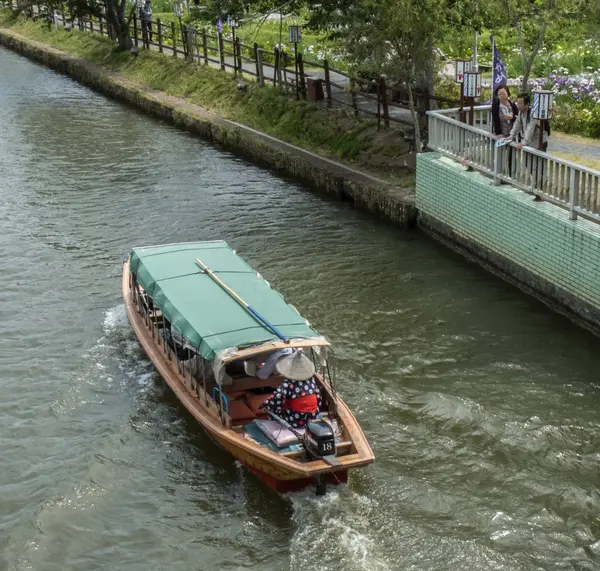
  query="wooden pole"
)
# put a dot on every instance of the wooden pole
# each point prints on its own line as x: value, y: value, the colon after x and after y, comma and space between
x: 205, y: 46
x: 244, y: 304
x: 296, y: 68
x: 541, y: 137
x: 174, y: 39
x: 284, y: 64
x: 135, y: 30
x: 221, y: 54
x: 239, y: 56
x: 234, y: 50
x: 160, y: 38
x: 384, y: 102
x: 353, y: 95
x: 379, y: 104
x: 327, y: 82
x: 302, y: 78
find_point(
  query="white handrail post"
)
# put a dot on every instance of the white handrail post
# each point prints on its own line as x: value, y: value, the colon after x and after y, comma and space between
x: 572, y: 190
x: 497, y: 165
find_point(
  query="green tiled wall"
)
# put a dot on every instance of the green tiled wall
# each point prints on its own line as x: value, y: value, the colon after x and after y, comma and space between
x: 536, y: 236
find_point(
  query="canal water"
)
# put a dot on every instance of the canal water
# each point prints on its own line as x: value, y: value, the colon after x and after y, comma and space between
x: 481, y: 405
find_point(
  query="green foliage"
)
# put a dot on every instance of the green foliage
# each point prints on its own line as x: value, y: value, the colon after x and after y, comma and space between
x: 577, y: 118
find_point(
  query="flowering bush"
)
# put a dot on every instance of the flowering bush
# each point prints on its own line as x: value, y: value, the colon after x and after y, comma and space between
x: 577, y: 101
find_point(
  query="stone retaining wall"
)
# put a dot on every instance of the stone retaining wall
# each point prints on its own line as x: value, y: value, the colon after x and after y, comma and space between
x: 366, y: 192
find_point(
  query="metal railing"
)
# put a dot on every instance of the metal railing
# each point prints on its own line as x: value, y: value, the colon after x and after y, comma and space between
x: 566, y: 184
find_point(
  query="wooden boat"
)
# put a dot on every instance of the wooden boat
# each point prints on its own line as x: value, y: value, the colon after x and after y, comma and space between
x: 204, y: 317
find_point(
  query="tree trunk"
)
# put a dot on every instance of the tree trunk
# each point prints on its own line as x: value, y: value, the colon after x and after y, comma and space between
x: 115, y: 15
x: 415, y: 117
x: 528, y: 61
x: 527, y: 65
x: 124, y: 38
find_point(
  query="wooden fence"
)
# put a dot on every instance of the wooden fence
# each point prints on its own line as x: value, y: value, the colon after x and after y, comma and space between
x: 305, y: 79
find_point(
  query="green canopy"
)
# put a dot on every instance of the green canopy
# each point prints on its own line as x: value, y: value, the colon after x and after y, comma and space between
x: 207, y: 316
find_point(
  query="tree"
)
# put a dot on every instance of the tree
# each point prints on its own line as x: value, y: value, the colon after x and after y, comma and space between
x: 117, y: 13
x: 395, y: 38
x: 531, y: 19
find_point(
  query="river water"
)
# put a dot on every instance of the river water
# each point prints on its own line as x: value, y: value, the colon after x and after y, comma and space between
x: 481, y: 405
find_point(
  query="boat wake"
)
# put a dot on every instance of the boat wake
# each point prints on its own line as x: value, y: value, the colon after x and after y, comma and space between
x: 115, y: 357
x: 336, y: 531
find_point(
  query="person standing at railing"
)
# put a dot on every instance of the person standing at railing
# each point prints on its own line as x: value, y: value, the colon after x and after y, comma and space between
x: 504, y: 115
x: 146, y: 20
x: 504, y: 112
x: 526, y: 132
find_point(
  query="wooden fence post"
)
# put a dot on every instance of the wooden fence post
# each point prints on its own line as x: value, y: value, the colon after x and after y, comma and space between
x: 185, y: 41
x: 205, y: 46
x: 302, y: 77
x: 284, y: 64
x: 258, y: 64
x: 101, y: 26
x: 379, y: 103
x: 235, y: 62
x: 277, y: 70
x: 327, y: 82
x: 174, y: 39
x: 353, y: 95
x: 135, y: 30
x: 384, y: 101
x: 238, y: 50
x: 91, y: 25
x: 160, y: 35
x: 221, y: 48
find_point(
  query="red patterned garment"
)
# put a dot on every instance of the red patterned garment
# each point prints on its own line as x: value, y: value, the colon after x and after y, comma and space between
x: 296, y: 402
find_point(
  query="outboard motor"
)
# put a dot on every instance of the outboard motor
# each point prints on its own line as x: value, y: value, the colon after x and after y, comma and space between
x: 319, y: 442
x: 319, y: 439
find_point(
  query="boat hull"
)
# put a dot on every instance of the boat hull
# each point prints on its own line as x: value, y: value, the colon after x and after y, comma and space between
x: 285, y: 486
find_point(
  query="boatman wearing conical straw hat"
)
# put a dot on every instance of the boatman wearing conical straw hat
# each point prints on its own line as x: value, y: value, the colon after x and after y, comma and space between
x: 297, y: 399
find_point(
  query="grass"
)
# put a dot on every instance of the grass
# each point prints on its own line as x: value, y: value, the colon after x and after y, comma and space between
x: 586, y: 161
x: 329, y: 133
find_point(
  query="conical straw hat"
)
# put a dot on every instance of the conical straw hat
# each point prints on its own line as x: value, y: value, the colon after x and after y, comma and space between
x: 295, y: 367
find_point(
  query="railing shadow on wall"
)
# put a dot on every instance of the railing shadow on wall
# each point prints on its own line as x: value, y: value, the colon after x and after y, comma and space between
x: 563, y: 183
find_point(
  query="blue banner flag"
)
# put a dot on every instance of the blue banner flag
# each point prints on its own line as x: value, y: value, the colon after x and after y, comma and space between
x: 498, y: 69
x: 219, y: 25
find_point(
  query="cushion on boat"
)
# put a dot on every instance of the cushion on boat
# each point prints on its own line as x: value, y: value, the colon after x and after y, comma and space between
x: 275, y: 432
x: 254, y: 402
x: 238, y: 410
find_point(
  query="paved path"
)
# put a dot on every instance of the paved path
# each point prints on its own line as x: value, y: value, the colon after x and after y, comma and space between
x: 561, y: 143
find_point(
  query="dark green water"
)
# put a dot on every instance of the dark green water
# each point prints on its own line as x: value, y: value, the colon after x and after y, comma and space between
x: 480, y: 404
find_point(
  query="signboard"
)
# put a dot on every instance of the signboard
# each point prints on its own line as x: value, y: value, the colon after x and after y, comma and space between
x: 462, y: 66
x: 295, y: 33
x: 542, y: 104
x: 472, y: 84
